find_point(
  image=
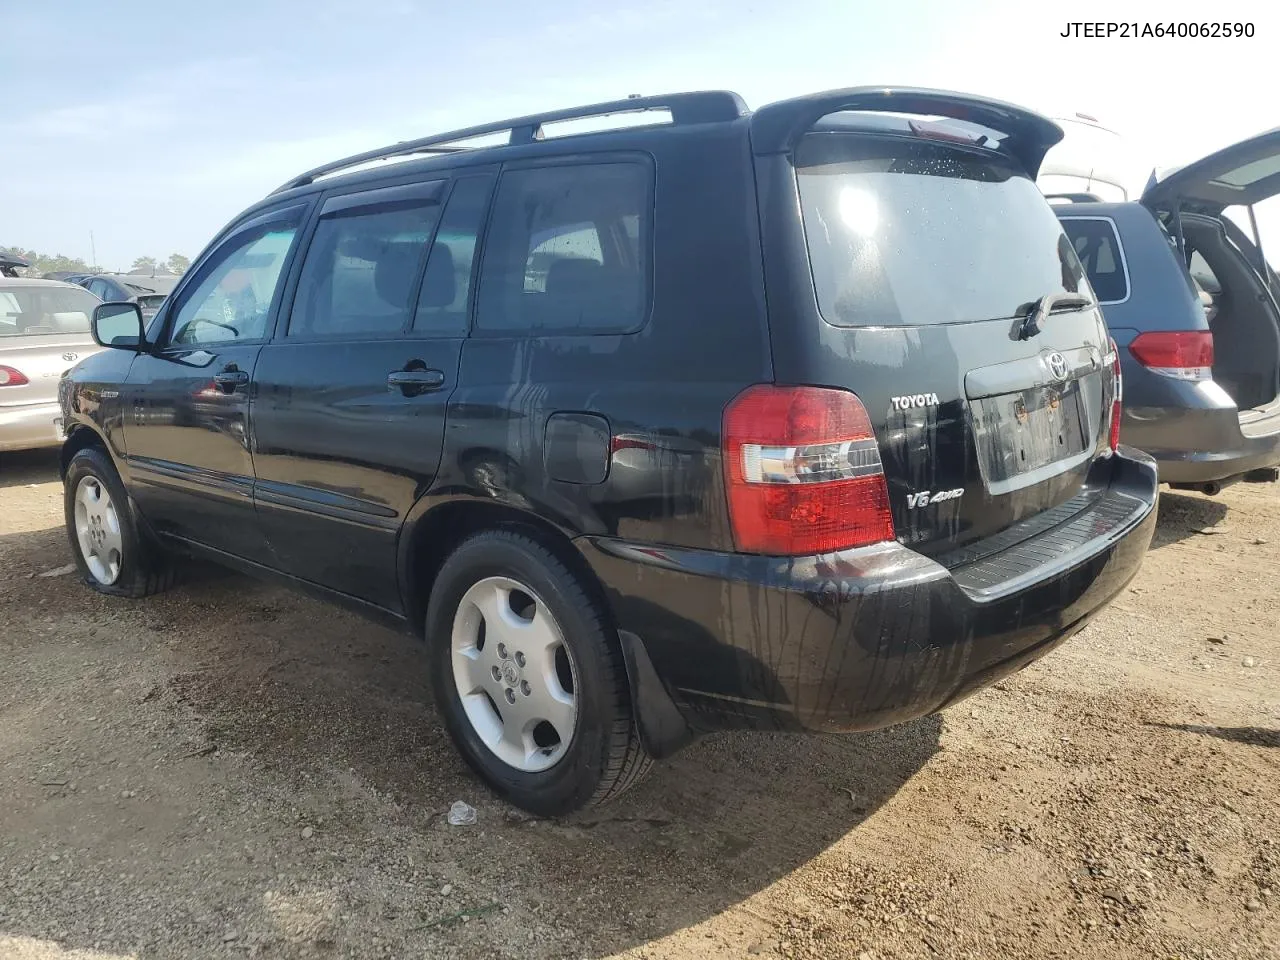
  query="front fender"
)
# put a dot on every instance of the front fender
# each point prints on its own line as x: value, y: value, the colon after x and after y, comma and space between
x: 92, y: 397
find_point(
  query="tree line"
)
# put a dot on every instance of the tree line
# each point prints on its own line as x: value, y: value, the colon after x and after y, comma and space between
x: 42, y: 263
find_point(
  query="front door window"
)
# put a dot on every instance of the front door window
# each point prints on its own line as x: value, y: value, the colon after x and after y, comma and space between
x: 232, y: 301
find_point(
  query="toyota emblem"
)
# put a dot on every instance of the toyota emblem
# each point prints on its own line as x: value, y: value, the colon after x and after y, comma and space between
x: 1058, y: 366
x: 69, y: 357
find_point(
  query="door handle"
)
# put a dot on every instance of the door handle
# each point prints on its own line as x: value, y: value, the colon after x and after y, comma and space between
x: 230, y: 378
x: 413, y: 382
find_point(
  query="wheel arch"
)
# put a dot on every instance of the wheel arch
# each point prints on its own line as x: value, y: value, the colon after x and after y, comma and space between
x: 81, y: 437
x: 436, y: 528
x: 437, y: 525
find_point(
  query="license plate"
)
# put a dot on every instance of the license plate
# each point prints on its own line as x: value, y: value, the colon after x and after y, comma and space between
x: 1018, y: 433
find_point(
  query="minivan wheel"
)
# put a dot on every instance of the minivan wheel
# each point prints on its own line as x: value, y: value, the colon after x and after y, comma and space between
x: 529, y: 678
x: 111, y: 553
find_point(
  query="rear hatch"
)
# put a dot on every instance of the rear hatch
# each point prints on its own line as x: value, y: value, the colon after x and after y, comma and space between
x: 949, y: 301
x: 1240, y: 176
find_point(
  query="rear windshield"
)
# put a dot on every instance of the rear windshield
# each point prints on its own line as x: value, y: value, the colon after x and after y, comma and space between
x: 39, y: 311
x: 904, y: 232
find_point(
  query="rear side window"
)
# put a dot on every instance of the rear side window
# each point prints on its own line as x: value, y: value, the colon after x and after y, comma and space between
x: 568, y: 250
x: 1098, y: 247
x: 362, y: 270
x: 904, y: 233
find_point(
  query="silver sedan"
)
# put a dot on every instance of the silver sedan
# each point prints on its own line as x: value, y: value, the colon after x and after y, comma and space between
x: 44, y: 331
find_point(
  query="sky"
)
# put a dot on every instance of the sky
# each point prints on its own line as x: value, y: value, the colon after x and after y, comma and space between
x: 150, y: 125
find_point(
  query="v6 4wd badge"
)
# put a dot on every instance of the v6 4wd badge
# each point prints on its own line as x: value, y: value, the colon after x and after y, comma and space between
x: 926, y: 497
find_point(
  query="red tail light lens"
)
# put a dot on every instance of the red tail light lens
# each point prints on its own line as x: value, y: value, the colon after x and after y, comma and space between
x: 10, y: 377
x: 1181, y: 354
x: 1116, y: 398
x: 803, y: 472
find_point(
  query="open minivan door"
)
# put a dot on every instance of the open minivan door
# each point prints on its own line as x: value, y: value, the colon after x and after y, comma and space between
x: 1241, y: 175
x: 1192, y: 201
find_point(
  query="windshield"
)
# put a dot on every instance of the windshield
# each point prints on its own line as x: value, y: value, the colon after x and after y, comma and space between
x: 906, y: 232
x: 39, y: 311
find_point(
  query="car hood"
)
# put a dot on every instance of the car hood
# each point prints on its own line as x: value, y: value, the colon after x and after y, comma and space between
x: 1242, y: 174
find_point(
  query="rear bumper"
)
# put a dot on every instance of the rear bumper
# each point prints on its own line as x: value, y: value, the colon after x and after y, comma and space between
x: 871, y: 637
x: 29, y: 426
x: 1202, y: 445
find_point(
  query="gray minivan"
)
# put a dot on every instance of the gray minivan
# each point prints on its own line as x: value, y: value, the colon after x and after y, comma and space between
x: 1195, y: 309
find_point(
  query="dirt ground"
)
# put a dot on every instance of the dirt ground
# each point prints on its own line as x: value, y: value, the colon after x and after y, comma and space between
x: 230, y: 770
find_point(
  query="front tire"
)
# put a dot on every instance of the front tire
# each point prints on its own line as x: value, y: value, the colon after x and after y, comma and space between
x: 529, y: 677
x: 111, y: 552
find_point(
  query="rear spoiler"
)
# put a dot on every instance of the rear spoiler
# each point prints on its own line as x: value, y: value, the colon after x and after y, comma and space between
x: 777, y: 127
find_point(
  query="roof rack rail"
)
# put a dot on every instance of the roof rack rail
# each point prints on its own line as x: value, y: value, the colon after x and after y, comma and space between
x: 709, y: 106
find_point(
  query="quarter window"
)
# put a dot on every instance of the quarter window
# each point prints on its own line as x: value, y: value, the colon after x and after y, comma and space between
x: 1098, y: 248
x: 567, y: 250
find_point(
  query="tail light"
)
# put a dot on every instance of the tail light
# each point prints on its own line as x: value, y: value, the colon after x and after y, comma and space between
x: 803, y: 472
x: 10, y: 377
x: 1182, y: 354
x: 1117, y: 397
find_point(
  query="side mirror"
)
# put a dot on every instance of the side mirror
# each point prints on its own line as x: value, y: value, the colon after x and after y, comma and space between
x: 119, y: 325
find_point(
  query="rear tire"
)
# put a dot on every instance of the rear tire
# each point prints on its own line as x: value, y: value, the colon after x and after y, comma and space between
x: 112, y: 553
x: 499, y: 600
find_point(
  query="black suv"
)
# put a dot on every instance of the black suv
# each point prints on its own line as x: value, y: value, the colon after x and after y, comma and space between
x: 800, y: 419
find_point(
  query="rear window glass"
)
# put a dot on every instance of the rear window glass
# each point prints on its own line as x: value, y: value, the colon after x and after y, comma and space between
x: 40, y: 311
x: 1251, y: 173
x: 903, y: 233
x: 1098, y: 247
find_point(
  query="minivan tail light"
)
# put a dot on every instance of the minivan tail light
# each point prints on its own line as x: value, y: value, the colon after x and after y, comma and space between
x: 1181, y: 354
x: 1117, y: 397
x: 803, y: 472
x: 9, y: 377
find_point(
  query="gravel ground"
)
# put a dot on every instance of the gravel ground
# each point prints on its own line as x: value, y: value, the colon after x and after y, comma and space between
x: 230, y: 770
